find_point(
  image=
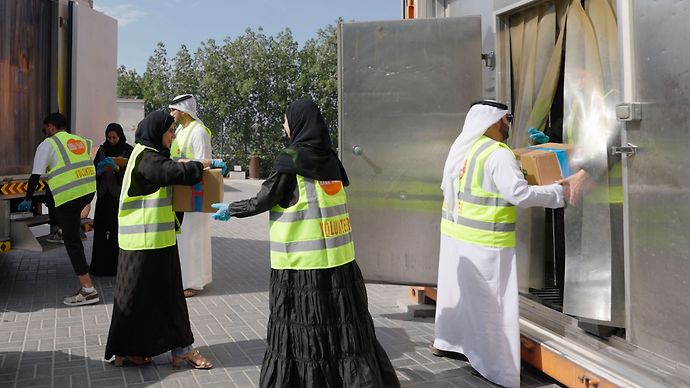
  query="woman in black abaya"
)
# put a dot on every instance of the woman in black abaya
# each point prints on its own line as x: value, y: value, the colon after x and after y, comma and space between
x: 150, y: 314
x: 109, y: 183
x: 320, y: 332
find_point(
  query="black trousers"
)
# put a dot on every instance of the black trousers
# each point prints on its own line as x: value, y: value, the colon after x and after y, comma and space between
x: 68, y: 216
x: 50, y: 204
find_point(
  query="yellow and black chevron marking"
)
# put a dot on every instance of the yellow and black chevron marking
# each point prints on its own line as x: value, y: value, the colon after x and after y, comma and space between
x: 5, y: 246
x: 9, y: 188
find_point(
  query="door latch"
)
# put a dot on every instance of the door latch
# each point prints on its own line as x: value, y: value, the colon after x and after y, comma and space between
x: 489, y: 59
x: 629, y: 150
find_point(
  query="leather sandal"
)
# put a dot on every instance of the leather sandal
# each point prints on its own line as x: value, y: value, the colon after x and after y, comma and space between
x: 188, y: 293
x: 133, y: 360
x: 194, y: 359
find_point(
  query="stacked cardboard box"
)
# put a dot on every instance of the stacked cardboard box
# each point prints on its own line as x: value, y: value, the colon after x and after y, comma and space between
x: 544, y: 164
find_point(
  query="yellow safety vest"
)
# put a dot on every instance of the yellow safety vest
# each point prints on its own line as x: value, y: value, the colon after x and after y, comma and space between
x: 484, y: 218
x: 145, y: 221
x: 315, y: 232
x: 74, y: 175
x: 180, y: 148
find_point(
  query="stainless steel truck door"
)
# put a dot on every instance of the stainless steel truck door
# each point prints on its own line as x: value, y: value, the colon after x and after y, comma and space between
x: 404, y: 88
x: 94, y: 71
x: 658, y: 178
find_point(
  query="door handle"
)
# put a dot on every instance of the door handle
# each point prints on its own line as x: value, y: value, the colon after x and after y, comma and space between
x: 357, y: 150
x: 629, y: 150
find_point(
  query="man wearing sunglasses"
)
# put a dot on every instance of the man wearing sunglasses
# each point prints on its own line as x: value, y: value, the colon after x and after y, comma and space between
x: 477, y: 300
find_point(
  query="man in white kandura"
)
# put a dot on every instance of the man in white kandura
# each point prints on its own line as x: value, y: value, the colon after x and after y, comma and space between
x: 193, y: 142
x: 477, y: 301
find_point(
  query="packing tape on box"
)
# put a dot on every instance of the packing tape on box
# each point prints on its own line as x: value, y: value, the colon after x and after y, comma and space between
x: 561, y: 156
x: 198, y: 196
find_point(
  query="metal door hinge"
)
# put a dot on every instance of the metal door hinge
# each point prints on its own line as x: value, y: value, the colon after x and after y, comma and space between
x: 630, y: 150
x: 629, y: 111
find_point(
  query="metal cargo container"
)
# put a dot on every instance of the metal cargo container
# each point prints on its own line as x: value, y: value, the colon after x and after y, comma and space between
x: 25, y: 66
x: 54, y: 56
x: 622, y: 297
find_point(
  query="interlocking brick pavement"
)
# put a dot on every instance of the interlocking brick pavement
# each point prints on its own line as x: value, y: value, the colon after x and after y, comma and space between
x: 46, y: 344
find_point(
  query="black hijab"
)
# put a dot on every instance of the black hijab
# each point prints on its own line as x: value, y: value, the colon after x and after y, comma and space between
x: 119, y: 149
x: 309, y: 153
x: 151, y: 129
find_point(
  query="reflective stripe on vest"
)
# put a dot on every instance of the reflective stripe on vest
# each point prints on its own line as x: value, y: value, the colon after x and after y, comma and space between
x: 180, y: 145
x: 74, y: 175
x: 315, y: 232
x: 484, y: 218
x: 144, y: 221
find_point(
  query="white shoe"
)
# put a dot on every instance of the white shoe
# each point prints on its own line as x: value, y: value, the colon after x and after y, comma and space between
x: 82, y: 298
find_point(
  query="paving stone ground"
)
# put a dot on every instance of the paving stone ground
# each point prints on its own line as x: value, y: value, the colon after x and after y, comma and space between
x: 46, y: 344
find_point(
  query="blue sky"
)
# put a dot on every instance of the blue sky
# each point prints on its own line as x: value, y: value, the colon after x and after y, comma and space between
x: 144, y: 23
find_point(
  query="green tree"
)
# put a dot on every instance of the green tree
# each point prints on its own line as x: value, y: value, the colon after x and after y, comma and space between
x: 318, y: 77
x: 156, y: 80
x: 244, y: 85
x: 128, y: 83
x: 215, y: 95
x: 185, y: 73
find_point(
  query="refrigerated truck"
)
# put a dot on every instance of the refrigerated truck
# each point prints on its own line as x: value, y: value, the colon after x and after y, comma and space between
x: 55, y: 55
x: 605, y: 291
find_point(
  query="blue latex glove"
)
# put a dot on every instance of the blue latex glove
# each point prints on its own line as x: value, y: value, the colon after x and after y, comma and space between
x: 537, y: 136
x: 100, y: 167
x: 110, y: 162
x: 223, y: 213
x: 24, y: 206
x: 217, y: 163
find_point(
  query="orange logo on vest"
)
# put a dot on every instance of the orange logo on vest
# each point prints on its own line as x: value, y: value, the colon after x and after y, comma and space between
x: 331, y: 187
x: 76, y: 146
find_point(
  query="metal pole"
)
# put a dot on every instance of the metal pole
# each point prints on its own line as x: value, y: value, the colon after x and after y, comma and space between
x: 222, y: 142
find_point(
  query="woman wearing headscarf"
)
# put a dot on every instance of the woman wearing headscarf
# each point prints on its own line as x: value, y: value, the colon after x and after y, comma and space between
x: 320, y: 332
x: 108, y: 186
x: 150, y: 314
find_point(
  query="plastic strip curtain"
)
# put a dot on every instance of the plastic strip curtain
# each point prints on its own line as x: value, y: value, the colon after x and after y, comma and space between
x: 542, y: 103
x: 590, y: 93
x: 532, y: 35
x: 536, y: 64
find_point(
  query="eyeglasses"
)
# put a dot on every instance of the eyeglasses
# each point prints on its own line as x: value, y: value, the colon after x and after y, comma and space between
x: 509, y: 117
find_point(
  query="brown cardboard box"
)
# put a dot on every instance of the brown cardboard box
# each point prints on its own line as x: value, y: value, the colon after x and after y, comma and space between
x: 200, y: 197
x: 120, y: 161
x: 540, y: 163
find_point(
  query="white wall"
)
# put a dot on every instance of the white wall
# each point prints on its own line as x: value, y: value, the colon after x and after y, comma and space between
x: 130, y: 111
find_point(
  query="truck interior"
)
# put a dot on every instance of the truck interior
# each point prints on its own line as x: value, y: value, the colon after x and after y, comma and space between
x: 558, y: 61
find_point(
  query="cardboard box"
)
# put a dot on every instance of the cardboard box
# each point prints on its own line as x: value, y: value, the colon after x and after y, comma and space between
x: 544, y: 164
x: 200, y: 197
x: 120, y: 161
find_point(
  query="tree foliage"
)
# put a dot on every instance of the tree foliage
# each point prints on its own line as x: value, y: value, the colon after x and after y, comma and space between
x: 155, y: 83
x: 128, y: 83
x: 243, y: 86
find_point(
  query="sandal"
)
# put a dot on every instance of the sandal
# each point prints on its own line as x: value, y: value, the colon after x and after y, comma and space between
x: 194, y: 359
x: 188, y: 293
x: 134, y: 360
